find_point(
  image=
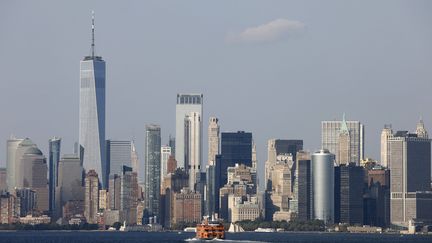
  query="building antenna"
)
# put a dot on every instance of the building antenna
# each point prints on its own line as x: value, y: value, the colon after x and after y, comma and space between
x: 93, y: 29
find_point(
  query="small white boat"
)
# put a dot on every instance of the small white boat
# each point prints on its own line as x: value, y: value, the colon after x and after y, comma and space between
x: 190, y: 229
x: 266, y: 230
x: 123, y: 227
x: 234, y: 228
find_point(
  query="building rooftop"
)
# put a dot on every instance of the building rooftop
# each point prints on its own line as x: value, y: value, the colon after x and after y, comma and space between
x: 95, y: 58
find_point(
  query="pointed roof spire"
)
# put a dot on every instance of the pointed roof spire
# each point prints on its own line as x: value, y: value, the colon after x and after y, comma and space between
x: 344, y: 125
x: 93, y: 39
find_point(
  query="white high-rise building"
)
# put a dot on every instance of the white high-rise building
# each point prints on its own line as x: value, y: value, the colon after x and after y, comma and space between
x: 193, y: 146
x: 386, y: 133
x: 134, y: 158
x: 330, y: 134
x: 92, y: 113
x: 213, y: 139
x: 11, y: 165
x: 186, y: 103
x: 165, y: 154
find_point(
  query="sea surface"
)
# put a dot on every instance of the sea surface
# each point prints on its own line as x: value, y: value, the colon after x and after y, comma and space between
x: 135, y: 237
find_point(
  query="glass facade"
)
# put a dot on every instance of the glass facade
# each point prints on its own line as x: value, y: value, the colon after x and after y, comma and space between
x: 119, y: 154
x: 92, y: 116
x: 288, y: 146
x: 236, y: 148
x: 54, y: 158
x: 152, y: 169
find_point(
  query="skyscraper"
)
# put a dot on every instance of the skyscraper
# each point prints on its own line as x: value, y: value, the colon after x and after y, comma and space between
x: 236, y: 148
x: 303, y: 186
x: 386, y: 133
x: 165, y: 155
x: 213, y: 140
x: 91, y: 199
x: 19, y: 164
x: 279, y: 178
x: 349, y: 187
x: 193, y: 147
x: 70, y: 187
x: 171, y: 143
x: 173, y: 183
x: 92, y: 113
x: 134, y: 158
x: 323, y: 185
x: 114, y: 192
x: 277, y: 147
x: 410, y: 172
x: 128, y: 198
x: 254, y: 156
x: 421, y: 130
x: 186, y: 103
x: 12, y: 146
x: 344, y: 144
x: 27, y: 201
x: 3, y: 184
x: 330, y: 134
x: 54, y: 158
x: 152, y: 168
x: 30, y: 170
x: 119, y: 154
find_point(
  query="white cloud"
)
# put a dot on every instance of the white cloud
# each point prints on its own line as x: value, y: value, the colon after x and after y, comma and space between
x: 271, y: 31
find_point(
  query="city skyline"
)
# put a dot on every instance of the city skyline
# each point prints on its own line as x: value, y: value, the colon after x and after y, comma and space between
x: 242, y: 114
x: 267, y: 117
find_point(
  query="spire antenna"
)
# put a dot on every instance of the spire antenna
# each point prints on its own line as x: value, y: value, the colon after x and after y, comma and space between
x: 93, y: 39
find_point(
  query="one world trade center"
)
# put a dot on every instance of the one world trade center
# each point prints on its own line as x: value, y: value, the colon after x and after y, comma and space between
x: 92, y: 113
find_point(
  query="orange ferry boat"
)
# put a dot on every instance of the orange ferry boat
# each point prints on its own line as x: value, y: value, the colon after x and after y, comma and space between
x: 210, y: 230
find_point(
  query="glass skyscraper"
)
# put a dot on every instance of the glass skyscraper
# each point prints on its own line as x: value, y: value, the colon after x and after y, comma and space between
x: 236, y: 148
x: 92, y: 113
x: 54, y: 158
x: 119, y: 154
x: 152, y: 169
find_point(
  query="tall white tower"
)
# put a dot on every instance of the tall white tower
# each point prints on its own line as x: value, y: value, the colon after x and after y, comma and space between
x: 186, y: 103
x: 92, y: 113
x: 213, y: 139
x: 386, y: 133
x: 193, y: 149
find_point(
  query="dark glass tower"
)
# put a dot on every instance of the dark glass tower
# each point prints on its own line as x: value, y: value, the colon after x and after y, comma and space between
x: 304, y: 191
x: 288, y: 146
x: 213, y: 186
x: 236, y: 148
x: 54, y: 158
x: 152, y: 169
x: 349, y: 188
